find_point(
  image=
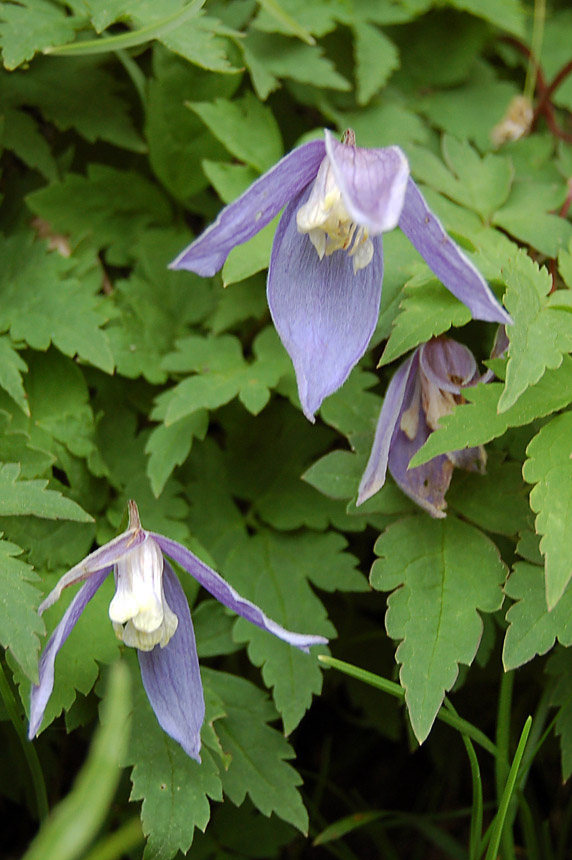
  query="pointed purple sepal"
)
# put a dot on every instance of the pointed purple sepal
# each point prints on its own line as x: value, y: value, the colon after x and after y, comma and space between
x: 324, y: 313
x: 373, y: 183
x: 253, y: 210
x: 171, y: 675
x: 446, y: 260
x: 375, y: 472
x: 41, y: 693
x: 104, y: 557
x: 225, y: 594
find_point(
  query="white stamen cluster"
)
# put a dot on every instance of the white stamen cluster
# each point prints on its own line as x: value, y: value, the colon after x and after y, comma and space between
x: 140, y: 614
x: 328, y: 224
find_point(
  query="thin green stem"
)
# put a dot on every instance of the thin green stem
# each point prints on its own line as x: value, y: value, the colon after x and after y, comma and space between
x: 506, y: 798
x: 28, y: 748
x: 503, y: 746
x: 135, y: 74
x: 395, y: 690
x: 535, y: 49
x: 132, y: 39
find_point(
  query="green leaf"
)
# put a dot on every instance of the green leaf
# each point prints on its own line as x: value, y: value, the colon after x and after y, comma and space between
x: 549, y: 467
x: 496, y: 501
x: 540, y: 334
x: 92, y: 641
x: 288, y: 58
x: 220, y: 374
x: 20, y: 624
x: 169, y: 446
x: 43, y: 303
x: 30, y: 26
x: 11, y: 368
x: 427, y: 310
x: 110, y: 207
x: 174, y: 788
x: 526, y: 216
x: 177, y: 139
x: 336, y: 475
x: 533, y: 629
x: 245, y: 127
x: 479, y: 421
x: 376, y: 58
x: 274, y: 571
x: 509, y: 15
x: 75, y: 94
x: 22, y: 135
x: 257, y: 766
x: 559, y: 667
x: 481, y: 184
x: 318, y: 18
x: 22, y: 498
x: 444, y: 571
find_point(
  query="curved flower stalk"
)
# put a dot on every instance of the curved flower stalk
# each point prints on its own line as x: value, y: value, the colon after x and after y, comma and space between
x: 150, y: 612
x: 326, y: 267
x: 425, y: 387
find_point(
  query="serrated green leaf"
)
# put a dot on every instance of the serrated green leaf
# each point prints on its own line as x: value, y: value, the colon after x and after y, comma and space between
x: 478, y: 421
x: 288, y: 58
x: 376, y: 58
x: 549, y: 467
x: 447, y: 571
x: 22, y: 135
x: 540, y: 334
x: 12, y: 366
x: 245, y: 127
x: 481, y: 184
x: 213, y: 629
x: 20, y: 624
x: 257, y: 765
x: 318, y: 18
x: 496, y: 501
x: 43, y: 303
x: 92, y: 641
x: 427, y: 310
x: 527, y: 217
x: 30, y: 26
x: 509, y: 15
x: 174, y: 788
x: 273, y: 571
x: 337, y: 474
x: 110, y: 207
x: 75, y: 94
x: 220, y: 374
x: 559, y: 667
x: 169, y: 446
x: 533, y: 629
x: 24, y: 498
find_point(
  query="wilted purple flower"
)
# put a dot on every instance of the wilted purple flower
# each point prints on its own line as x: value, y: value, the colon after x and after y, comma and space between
x: 150, y: 612
x: 426, y: 386
x: 326, y: 267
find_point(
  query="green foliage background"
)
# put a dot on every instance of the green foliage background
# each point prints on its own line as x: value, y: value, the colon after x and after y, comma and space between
x: 124, y: 126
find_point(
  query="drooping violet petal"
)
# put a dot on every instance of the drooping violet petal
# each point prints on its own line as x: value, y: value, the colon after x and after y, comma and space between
x: 374, y: 476
x: 101, y: 558
x: 447, y: 261
x: 171, y: 675
x: 324, y: 313
x: 41, y: 693
x: 373, y: 183
x: 426, y: 484
x: 225, y: 594
x: 253, y: 210
x: 447, y: 364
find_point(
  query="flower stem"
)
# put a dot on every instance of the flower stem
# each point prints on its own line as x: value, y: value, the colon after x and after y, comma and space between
x: 464, y: 727
x: 503, y: 744
x: 118, y: 844
x: 535, y: 48
x: 28, y: 748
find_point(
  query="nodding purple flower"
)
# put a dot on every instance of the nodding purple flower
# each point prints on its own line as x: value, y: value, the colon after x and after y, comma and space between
x: 150, y: 613
x: 425, y: 387
x: 326, y: 267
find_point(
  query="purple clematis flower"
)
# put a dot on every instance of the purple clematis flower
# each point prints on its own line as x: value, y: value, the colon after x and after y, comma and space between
x: 326, y: 267
x: 150, y: 612
x: 426, y: 386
